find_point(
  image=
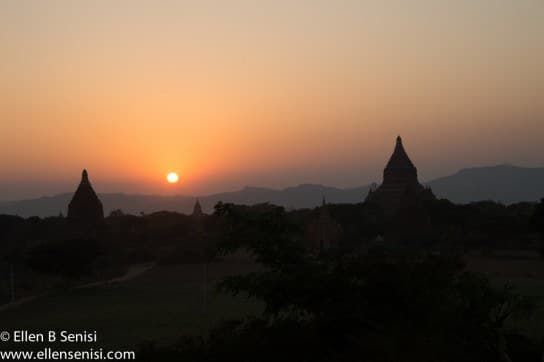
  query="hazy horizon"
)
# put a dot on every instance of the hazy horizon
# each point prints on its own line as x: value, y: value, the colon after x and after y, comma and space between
x: 105, y: 187
x: 273, y: 94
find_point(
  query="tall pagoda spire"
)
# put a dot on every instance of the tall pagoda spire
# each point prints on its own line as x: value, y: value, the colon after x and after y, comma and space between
x: 400, y: 168
x: 399, y: 158
x: 85, y: 204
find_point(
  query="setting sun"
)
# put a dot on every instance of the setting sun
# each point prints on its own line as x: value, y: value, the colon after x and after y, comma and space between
x: 172, y: 177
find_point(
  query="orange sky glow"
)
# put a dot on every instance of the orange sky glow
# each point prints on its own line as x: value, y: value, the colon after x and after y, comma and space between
x: 270, y: 94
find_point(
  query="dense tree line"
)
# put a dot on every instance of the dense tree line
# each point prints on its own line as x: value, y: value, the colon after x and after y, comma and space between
x: 170, y: 237
x: 364, y: 298
x: 343, y: 305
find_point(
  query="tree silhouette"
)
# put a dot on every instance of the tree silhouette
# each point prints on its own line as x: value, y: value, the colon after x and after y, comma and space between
x: 348, y: 306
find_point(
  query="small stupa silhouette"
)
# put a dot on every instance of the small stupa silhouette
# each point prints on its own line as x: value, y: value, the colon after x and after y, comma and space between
x: 85, y: 204
x: 197, y: 209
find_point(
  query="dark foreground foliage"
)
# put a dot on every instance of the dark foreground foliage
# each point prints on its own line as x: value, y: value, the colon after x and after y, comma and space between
x: 352, y: 307
x: 69, y: 258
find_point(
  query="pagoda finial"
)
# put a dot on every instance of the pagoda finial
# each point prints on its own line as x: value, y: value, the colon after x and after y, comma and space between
x: 84, y: 176
x: 399, y: 139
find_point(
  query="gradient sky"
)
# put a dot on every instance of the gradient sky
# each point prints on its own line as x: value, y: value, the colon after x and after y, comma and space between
x: 275, y: 93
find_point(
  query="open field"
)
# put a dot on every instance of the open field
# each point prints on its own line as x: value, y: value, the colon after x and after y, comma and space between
x: 168, y: 301
x: 507, y: 267
x: 160, y: 305
x: 526, y: 275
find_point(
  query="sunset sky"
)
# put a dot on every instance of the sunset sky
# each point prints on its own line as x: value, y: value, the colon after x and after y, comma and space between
x: 263, y: 93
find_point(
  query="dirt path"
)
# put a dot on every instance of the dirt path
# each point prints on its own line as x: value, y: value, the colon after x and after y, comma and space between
x: 133, y: 271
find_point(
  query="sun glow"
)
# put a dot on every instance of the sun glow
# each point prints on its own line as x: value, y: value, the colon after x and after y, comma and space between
x: 172, y: 177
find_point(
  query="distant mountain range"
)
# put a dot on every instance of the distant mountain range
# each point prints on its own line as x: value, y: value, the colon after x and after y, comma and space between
x: 503, y: 183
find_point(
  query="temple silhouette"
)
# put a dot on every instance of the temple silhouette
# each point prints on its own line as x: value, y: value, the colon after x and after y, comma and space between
x: 323, y: 231
x: 400, y: 187
x: 197, y: 210
x: 400, y: 190
x: 85, y: 205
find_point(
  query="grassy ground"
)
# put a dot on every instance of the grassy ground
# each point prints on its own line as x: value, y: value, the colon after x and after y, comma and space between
x: 168, y: 301
x: 160, y: 305
x: 526, y: 275
x: 533, y: 326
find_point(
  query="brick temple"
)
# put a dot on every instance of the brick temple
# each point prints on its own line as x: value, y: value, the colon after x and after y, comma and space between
x: 400, y: 187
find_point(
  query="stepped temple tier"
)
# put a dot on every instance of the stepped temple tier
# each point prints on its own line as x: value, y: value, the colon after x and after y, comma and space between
x: 400, y: 187
x: 85, y: 204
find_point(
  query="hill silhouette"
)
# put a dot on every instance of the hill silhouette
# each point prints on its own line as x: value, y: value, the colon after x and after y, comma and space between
x: 502, y: 183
